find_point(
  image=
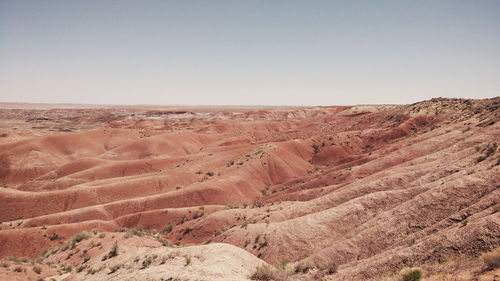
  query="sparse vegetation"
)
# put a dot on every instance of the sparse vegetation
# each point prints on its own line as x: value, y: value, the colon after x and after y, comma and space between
x: 54, y: 236
x: 46, y: 253
x: 480, y: 158
x: 183, y: 219
x: 496, y: 208
x: 411, y: 274
x: 172, y: 255
x: 163, y: 260
x: 315, y: 148
x: 244, y: 224
x: 85, y: 257
x: 168, y: 228
x: 187, y: 260
x: 115, y: 268
x: 16, y: 259
x: 265, y: 191
x: 282, y: 263
x: 67, y: 268
x: 331, y: 268
x: 262, y: 272
x: 491, y: 259
x: 19, y: 269
x: 198, y: 215
x: 112, y: 253
x: 91, y: 271
x: 37, y: 269
x: 258, y: 204
x: 301, y: 268
x: 229, y: 206
x: 81, y: 268
x: 410, y: 242
x: 165, y: 242
x: 138, y: 231
x: 147, y: 262
x: 489, y: 150
x: 81, y: 236
x: 68, y: 245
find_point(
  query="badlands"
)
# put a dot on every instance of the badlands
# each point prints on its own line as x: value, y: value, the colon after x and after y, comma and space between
x: 367, y: 192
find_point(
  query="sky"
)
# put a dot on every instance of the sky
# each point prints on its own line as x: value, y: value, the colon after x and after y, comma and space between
x: 253, y: 52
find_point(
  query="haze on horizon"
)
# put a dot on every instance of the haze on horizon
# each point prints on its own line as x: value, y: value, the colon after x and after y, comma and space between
x: 248, y: 52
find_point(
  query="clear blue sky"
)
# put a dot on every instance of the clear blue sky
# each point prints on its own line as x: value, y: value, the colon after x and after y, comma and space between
x: 254, y: 52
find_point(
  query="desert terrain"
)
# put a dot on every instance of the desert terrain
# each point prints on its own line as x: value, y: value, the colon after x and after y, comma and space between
x: 366, y: 192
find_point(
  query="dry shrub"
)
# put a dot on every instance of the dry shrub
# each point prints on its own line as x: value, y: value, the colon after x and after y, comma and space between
x: 301, y: 268
x: 19, y: 269
x: 81, y: 236
x: 411, y: 274
x: 491, y: 259
x: 265, y: 272
x: 37, y: 269
x: 112, y: 253
x: 168, y: 228
x: 262, y: 272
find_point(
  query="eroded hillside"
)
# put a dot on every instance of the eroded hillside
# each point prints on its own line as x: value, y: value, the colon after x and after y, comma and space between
x: 341, y: 193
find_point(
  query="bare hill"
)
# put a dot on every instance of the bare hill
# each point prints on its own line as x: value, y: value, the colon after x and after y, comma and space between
x: 339, y: 193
